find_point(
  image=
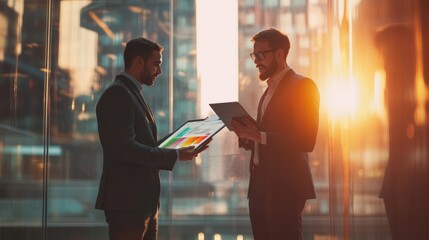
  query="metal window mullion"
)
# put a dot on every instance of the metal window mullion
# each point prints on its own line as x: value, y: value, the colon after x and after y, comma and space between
x: 46, y: 117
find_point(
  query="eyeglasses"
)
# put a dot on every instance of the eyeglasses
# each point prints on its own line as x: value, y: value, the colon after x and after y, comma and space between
x: 259, y: 55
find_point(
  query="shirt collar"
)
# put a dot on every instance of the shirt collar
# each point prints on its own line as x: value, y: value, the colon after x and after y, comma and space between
x: 133, y: 80
x: 274, y: 80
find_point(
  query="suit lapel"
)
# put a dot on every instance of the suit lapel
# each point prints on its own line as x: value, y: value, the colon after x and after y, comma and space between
x: 258, y: 118
x: 280, y: 88
x: 136, y: 92
x: 150, y: 114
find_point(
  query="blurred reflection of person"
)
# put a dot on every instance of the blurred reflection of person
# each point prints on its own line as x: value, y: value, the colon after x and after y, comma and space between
x: 287, y: 119
x: 130, y: 186
x: 401, y: 190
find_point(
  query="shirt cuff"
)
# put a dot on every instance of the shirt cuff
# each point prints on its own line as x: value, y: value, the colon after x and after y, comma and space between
x: 264, y: 138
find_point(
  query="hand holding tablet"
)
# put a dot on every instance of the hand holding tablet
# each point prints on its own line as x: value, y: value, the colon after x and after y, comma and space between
x: 189, y: 153
x: 197, y: 133
x: 228, y: 111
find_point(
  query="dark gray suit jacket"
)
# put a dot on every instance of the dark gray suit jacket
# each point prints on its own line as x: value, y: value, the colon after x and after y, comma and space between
x: 131, y: 159
x: 291, y: 122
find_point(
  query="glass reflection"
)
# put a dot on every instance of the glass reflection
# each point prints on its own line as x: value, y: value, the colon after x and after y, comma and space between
x: 403, y: 179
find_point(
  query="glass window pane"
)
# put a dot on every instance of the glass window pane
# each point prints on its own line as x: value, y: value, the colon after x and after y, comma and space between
x: 22, y: 149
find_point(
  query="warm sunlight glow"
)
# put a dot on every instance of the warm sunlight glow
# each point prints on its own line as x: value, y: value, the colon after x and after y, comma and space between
x: 3, y: 34
x: 378, y: 101
x: 75, y: 40
x: 342, y: 98
x: 200, y: 236
x: 217, y: 236
x: 217, y: 52
x: 73, y: 104
x: 420, y: 86
x: 421, y: 95
x: 198, y: 160
x: 18, y: 8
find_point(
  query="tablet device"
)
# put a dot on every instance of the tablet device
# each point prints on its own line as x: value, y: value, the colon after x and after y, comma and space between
x: 231, y: 110
x: 193, y: 133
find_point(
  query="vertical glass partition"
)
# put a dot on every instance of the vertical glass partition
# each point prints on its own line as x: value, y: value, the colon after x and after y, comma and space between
x: 23, y: 149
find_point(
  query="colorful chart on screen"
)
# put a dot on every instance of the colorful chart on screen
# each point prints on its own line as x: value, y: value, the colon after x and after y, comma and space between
x: 193, y: 133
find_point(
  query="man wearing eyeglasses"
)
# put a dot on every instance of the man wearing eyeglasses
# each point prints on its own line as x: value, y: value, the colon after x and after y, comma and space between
x: 288, y: 116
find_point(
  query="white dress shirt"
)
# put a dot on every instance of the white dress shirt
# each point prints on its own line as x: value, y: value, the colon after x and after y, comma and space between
x: 273, y: 83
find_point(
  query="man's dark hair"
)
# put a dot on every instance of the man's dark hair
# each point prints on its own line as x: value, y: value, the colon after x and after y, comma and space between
x: 139, y: 47
x: 275, y: 38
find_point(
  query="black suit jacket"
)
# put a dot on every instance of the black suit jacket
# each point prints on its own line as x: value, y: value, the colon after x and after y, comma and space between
x: 291, y: 123
x: 131, y: 158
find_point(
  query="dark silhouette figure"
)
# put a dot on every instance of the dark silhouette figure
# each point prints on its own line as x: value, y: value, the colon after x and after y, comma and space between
x: 130, y: 185
x: 288, y: 117
x: 403, y: 188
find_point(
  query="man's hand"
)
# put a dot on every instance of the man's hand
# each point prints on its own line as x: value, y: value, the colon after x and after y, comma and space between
x: 246, y: 129
x: 189, y: 153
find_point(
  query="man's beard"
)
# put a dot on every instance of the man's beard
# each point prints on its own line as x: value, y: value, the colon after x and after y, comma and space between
x: 270, y: 70
x: 147, y: 78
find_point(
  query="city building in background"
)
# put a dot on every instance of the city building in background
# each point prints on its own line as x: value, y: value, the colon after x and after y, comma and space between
x: 57, y: 57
